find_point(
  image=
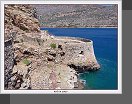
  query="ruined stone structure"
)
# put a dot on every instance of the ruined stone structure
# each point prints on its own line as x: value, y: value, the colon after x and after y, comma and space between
x: 79, y: 53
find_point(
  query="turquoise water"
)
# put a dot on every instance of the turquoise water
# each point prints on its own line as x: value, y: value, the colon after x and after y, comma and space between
x: 105, y: 47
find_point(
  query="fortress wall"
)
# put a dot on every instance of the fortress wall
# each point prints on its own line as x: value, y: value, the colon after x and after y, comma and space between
x: 76, y: 51
x: 79, y: 52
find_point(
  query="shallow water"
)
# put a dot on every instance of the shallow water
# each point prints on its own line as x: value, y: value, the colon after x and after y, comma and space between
x: 105, y: 48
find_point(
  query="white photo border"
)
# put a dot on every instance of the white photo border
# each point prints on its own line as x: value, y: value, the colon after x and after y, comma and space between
x: 118, y: 91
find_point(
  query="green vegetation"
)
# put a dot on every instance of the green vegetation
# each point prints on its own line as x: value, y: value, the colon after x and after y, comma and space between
x: 53, y: 45
x: 26, y: 62
x: 49, y: 66
x: 80, y: 63
x: 46, y: 30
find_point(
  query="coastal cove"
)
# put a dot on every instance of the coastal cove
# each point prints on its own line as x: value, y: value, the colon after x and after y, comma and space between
x: 105, y: 47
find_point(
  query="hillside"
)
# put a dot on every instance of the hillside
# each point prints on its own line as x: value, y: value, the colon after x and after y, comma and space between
x: 77, y: 15
x: 36, y: 60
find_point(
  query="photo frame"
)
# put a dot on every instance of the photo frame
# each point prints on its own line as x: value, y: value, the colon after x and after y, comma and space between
x: 59, y: 91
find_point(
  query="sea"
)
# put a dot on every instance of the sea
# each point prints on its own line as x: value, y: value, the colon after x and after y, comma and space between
x: 105, y: 41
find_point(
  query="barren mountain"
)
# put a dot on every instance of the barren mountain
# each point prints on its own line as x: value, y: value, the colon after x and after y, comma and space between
x: 89, y: 15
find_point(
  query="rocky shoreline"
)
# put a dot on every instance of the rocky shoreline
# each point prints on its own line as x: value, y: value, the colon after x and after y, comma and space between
x: 39, y: 60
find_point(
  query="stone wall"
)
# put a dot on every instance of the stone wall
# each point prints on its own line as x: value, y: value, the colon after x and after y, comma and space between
x: 79, y: 53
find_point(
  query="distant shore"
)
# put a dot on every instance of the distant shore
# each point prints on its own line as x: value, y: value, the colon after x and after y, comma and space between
x: 78, y: 27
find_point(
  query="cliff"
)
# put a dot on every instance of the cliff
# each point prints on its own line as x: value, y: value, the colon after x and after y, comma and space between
x: 21, y: 19
x: 39, y: 60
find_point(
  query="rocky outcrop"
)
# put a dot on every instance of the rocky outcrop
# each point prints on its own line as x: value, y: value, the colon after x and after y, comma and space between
x: 48, y: 54
x: 20, y: 18
x: 9, y: 60
x: 75, y: 52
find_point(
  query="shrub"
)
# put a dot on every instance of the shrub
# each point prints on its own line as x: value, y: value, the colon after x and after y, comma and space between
x: 46, y: 30
x: 53, y: 45
x: 49, y: 66
x: 26, y: 62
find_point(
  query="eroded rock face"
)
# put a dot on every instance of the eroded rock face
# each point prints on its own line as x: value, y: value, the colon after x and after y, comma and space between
x: 19, y: 19
x: 21, y: 16
x: 9, y: 61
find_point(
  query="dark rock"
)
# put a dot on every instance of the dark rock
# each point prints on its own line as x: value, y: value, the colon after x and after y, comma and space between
x: 50, y: 58
x: 52, y: 53
x: 60, y: 47
x: 27, y: 52
x: 18, y: 85
x: 84, y: 68
x: 62, y: 53
x: 81, y: 53
x: 75, y: 85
